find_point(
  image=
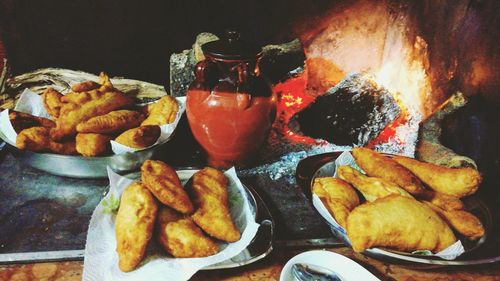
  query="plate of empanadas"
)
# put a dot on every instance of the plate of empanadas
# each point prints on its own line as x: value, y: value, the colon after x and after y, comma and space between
x: 168, y: 224
x: 91, y: 126
x: 398, y: 207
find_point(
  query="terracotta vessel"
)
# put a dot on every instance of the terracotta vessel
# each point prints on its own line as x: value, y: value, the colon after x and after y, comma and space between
x: 230, y: 107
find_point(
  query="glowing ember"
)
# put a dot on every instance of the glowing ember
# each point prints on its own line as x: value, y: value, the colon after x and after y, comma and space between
x: 292, y: 98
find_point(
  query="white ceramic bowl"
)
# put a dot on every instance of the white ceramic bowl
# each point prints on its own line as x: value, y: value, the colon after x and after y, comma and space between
x: 345, y: 268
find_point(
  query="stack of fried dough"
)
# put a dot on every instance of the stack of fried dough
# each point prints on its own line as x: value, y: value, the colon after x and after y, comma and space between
x: 186, y: 223
x: 409, y: 205
x: 86, y: 119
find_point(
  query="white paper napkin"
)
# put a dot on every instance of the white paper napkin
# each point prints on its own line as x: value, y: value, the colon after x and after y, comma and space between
x: 101, y: 259
x: 346, y: 158
x: 32, y: 103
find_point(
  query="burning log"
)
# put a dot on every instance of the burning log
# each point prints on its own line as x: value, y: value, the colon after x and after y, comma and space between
x: 352, y: 113
x: 278, y: 62
x: 429, y: 147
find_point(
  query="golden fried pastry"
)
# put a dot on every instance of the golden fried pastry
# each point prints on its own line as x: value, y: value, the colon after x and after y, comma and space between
x: 34, y: 139
x: 66, y: 147
x: 21, y: 121
x: 85, y: 86
x: 372, y: 188
x: 209, y: 187
x: 338, y: 196
x: 52, y: 102
x: 180, y: 236
x: 165, y: 185
x: 37, y: 139
x: 140, y: 137
x: 461, y: 221
x: 442, y: 201
x: 400, y: 223
x: 162, y: 112
x: 457, y: 182
x: 377, y: 165
x: 134, y: 225
x: 98, y: 104
x: 92, y: 144
x: 113, y: 122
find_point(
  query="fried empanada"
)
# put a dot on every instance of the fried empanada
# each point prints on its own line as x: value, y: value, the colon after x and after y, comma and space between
x: 162, y: 112
x: 21, y: 121
x: 165, y: 185
x: 213, y: 215
x: 140, y: 137
x: 85, y: 86
x: 442, y: 201
x: 134, y: 225
x: 377, y: 165
x: 457, y: 182
x: 34, y: 139
x: 461, y: 221
x: 113, y: 122
x: 96, y: 105
x: 180, y: 236
x: 400, y: 223
x: 52, y: 102
x: 338, y: 196
x: 37, y: 139
x: 372, y: 188
x: 92, y: 144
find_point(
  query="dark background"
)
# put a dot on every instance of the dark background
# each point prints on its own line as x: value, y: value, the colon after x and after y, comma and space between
x: 134, y: 39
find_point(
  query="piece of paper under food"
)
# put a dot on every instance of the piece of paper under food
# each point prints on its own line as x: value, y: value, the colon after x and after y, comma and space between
x: 32, y: 103
x: 101, y: 259
x: 346, y: 158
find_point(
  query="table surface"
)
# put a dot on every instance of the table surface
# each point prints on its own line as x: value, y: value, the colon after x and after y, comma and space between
x: 266, y: 269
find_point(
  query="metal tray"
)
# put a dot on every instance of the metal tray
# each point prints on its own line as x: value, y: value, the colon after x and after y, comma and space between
x: 324, y: 165
x: 80, y: 166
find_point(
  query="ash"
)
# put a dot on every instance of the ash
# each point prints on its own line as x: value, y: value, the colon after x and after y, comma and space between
x: 285, y: 166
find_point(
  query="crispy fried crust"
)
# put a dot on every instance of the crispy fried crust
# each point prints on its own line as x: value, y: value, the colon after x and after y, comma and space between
x: 85, y: 86
x: 338, y: 196
x: 37, y: 139
x: 113, y: 122
x: 165, y: 185
x: 400, y: 223
x: 377, y: 165
x: 457, y: 182
x: 92, y: 144
x: 442, y: 201
x: 134, y: 225
x: 461, y: 221
x: 162, y: 112
x: 21, y: 121
x: 89, y: 106
x: 140, y: 137
x: 211, y: 196
x: 180, y: 236
x: 372, y: 188
x: 52, y: 102
x: 33, y: 139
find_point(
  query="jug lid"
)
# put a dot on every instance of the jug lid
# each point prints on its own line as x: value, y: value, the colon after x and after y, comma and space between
x: 231, y: 47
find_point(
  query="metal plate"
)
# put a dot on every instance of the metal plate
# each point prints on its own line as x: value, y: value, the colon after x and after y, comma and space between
x: 80, y: 166
x: 323, y: 165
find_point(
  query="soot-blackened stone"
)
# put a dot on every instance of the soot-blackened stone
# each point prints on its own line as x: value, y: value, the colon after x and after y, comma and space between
x: 354, y: 112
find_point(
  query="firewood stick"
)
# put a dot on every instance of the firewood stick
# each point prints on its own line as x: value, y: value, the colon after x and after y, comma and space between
x: 429, y: 147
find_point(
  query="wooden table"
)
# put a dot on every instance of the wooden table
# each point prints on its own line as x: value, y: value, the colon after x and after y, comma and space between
x: 266, y: 269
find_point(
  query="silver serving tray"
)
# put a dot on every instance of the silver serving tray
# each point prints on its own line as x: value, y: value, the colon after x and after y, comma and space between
x: 324, y: 166
x: 80, y: 166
